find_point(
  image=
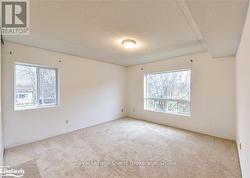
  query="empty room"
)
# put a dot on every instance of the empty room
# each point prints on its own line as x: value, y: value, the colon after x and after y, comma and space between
x: 125, y: 89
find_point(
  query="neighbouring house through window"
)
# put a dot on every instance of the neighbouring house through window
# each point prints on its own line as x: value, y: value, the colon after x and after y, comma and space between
x: 35, y: 86
x: 168, y: 92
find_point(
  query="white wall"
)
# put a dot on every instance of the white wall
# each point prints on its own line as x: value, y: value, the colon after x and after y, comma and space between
x: 213, y: 94
x: 1, y: 131
x: 243, y: 98
x: 91, y: 92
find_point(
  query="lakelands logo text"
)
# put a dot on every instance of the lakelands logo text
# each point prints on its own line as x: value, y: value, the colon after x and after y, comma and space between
x: 15, y: 17
x: 11, y: 172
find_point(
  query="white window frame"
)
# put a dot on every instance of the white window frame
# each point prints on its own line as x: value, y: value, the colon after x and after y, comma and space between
x: 37, y: 73
x: 167, y: 112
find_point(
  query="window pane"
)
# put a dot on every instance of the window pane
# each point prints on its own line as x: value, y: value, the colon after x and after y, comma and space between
x: 26, y: 90
x: 184, y: 107
x: 47, y: 86
x: 168, y: 91
x: 155, y: 105
x: 172, y: 106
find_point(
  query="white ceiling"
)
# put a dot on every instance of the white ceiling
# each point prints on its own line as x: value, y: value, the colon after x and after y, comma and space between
x: 220, y: 22
x: 162, y: 29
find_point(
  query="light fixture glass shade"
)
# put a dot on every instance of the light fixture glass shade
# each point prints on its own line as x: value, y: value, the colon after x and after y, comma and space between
x: 128, y: 43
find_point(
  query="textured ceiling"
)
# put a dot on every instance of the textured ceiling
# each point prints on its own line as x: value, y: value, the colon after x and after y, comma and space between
x: 162, y: 29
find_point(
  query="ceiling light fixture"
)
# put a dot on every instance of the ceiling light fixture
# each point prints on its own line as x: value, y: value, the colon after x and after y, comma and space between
x: 129, y: 43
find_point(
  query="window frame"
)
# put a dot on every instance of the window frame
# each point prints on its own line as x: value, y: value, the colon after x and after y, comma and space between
x: 160, y: 72
x: 37, y: 106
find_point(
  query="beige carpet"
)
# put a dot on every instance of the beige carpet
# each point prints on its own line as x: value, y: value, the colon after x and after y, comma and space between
x: 127, y: 148
x: 30, y: 168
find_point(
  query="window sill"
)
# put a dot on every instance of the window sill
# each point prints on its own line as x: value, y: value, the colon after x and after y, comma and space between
x: 171, y: 113
x: 36, y: 107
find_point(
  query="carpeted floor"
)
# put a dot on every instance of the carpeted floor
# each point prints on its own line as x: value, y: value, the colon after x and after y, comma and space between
x: 127, y: 148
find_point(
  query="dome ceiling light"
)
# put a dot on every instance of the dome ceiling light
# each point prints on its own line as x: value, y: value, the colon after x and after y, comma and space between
x: 129, y: 43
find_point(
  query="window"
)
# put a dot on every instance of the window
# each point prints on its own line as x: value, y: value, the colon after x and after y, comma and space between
x: 35, y: 86
x: 168, y: 92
